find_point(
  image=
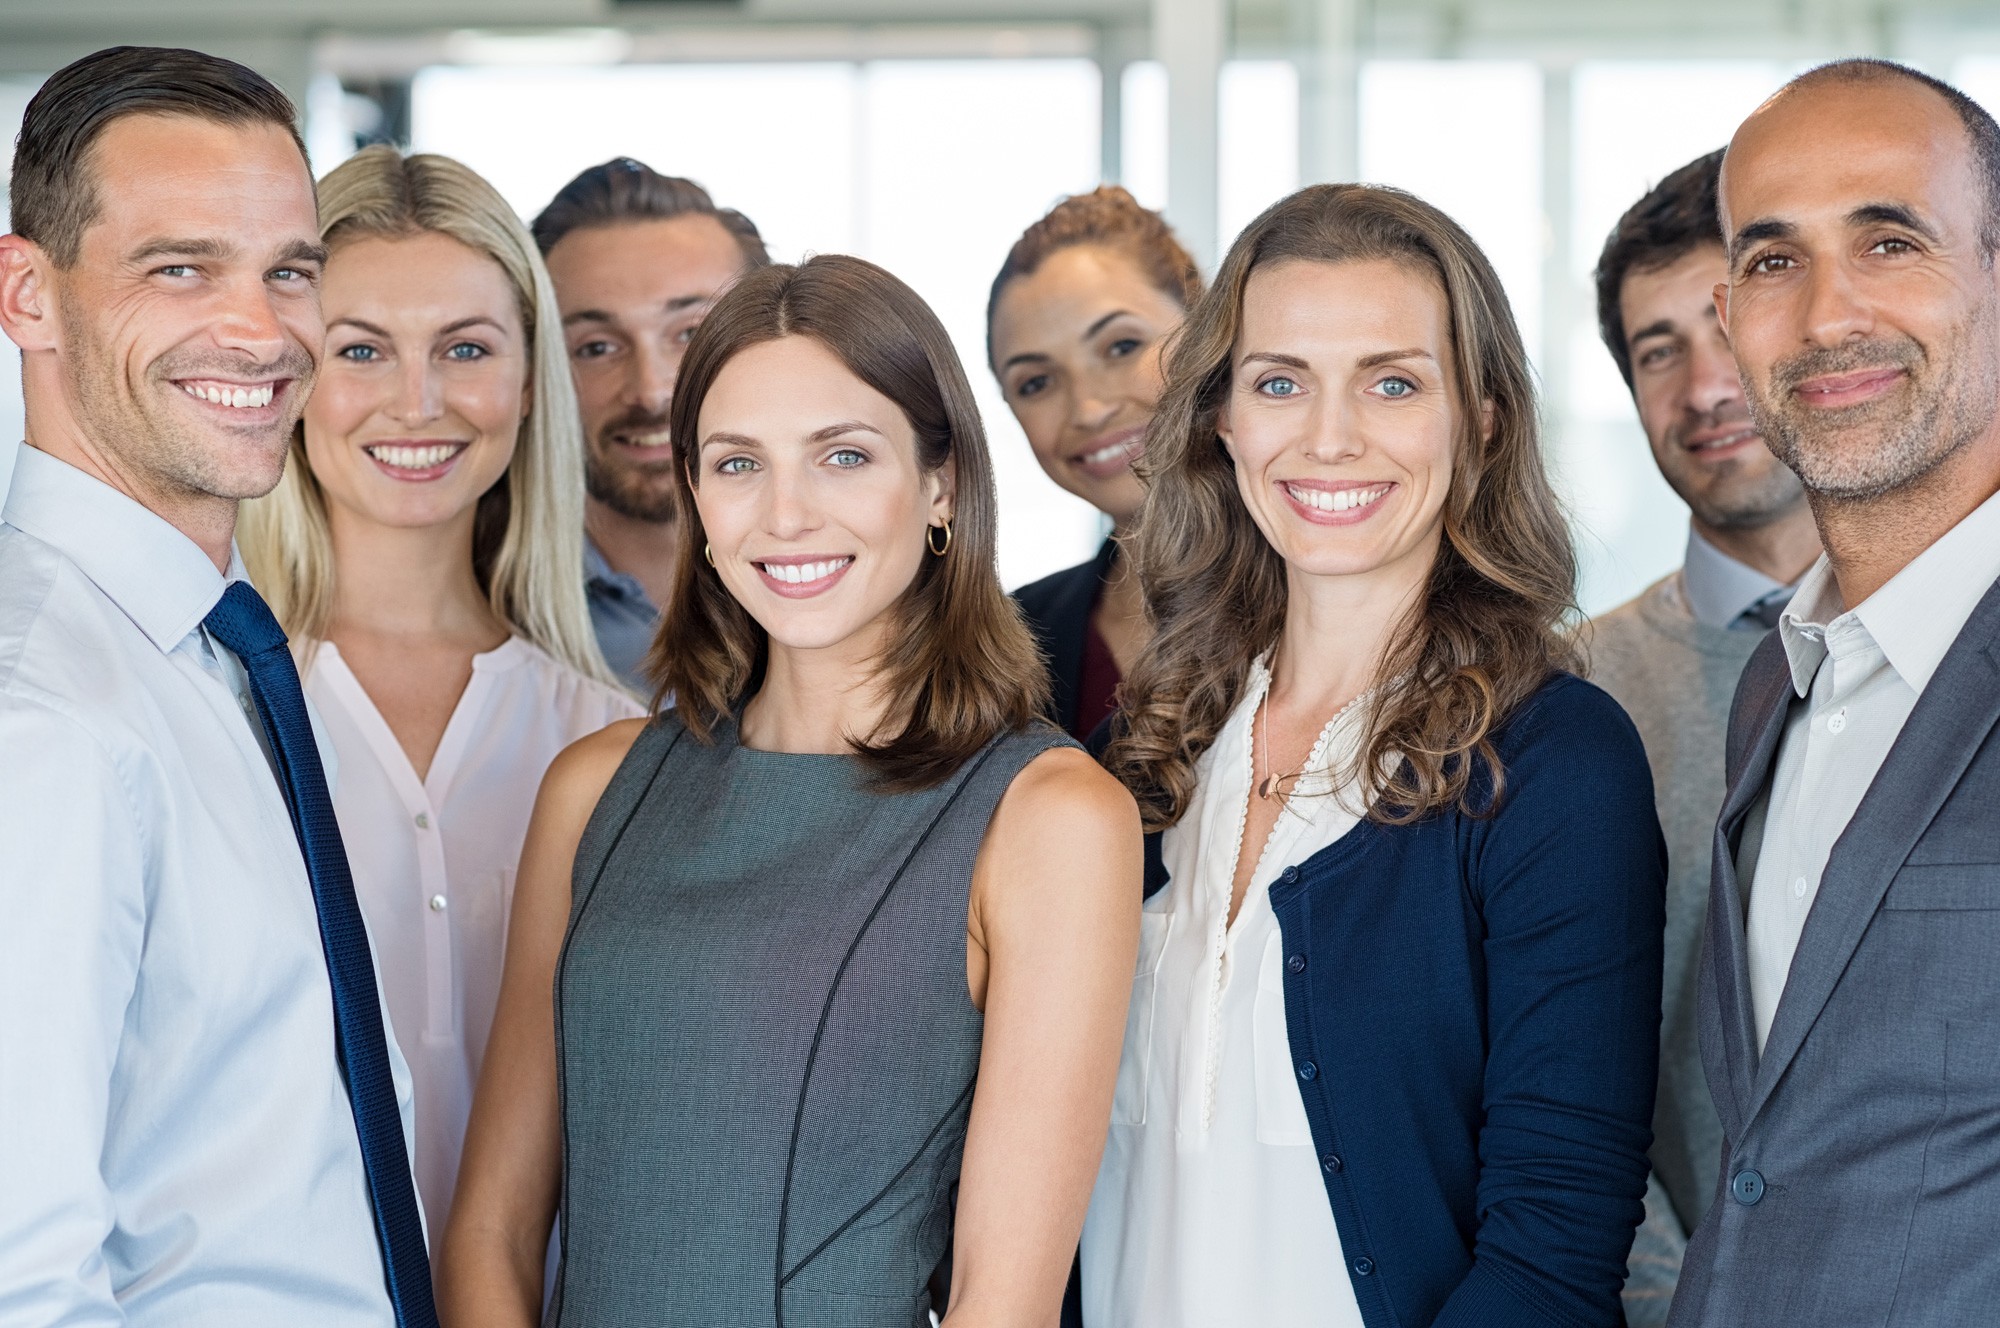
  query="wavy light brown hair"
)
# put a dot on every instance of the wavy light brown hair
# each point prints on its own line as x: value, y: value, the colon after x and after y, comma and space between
x: 1487, y: 632
x: 960, y: 668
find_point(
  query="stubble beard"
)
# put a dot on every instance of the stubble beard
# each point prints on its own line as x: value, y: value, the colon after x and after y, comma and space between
x: 1950, y: 398
x: 639, y: 490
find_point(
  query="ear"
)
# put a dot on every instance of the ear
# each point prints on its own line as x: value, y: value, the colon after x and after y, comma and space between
x: 1225, y: 432
x: 28, y: 305
x: 1721, y: 297
x: 943, y: 486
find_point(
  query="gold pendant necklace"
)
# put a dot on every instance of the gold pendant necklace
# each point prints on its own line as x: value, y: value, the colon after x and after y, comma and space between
x: 1275, y: 785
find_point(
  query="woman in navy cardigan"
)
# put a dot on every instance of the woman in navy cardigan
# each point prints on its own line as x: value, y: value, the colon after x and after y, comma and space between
x: 1391, y: 1049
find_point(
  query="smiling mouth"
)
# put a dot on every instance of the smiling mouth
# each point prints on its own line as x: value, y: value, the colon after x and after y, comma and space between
x: 1114, y: 456
x: 235, y: 396
x: 413, y: 456
x: 805, y: 574
x: 1337, y: 500
x: 1742, y: 435
x: 652, y: 439
x: 1838, y: 390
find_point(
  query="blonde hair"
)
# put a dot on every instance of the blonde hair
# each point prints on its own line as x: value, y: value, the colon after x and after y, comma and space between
x: 528, y: 533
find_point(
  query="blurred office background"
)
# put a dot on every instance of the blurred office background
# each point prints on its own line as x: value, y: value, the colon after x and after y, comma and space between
x: 925, y: 134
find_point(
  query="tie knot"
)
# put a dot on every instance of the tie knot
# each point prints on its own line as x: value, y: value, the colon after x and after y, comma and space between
x: 242, y: 621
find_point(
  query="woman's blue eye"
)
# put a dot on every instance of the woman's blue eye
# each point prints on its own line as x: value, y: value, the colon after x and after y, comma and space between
x: 359, y: 354
x: 736, y: 466
x: 847, y: 458
x: 1278, y: 387
x: 465, y: 350
x: 1396, y: 387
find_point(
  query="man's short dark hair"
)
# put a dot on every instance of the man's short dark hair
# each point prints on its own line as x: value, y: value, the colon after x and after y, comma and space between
x: 1676, y: 218
x: 622, y: 190
x: 54, y: 194
x: 1980, y: 128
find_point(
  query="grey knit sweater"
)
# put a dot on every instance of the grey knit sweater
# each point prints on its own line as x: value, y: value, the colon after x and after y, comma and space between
x: 1675, y: 677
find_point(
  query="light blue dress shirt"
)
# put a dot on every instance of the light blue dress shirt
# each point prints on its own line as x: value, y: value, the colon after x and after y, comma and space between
x: 176, y: 1142
x: 1721, y: 591
x: 622, y: 616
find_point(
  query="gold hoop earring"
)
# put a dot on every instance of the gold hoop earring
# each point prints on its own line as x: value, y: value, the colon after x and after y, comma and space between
x: 708, y: 553
x: 931, y: 544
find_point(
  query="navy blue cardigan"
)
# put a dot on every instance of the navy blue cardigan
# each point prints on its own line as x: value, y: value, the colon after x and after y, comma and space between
x: 1474, y: 1014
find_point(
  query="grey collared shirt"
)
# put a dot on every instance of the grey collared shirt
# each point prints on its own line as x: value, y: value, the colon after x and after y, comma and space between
x: 624, y: 618
x: 1722, y: 592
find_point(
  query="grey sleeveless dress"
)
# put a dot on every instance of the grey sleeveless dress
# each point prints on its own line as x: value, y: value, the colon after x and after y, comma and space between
x: 765, y: 1046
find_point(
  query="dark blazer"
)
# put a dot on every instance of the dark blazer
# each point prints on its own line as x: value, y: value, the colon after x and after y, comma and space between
x: 1861, y: 1152
x: 1057, y: 609
x: 1473, y: 1006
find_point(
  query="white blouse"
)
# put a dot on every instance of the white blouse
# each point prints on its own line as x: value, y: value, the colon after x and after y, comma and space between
x: 1210, y: 1210
x: 434, y: 860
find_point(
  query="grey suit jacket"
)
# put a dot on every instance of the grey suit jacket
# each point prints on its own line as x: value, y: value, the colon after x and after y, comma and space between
x: 1861, y: 1153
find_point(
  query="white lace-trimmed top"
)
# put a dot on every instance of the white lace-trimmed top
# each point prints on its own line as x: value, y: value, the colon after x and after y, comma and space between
x: 1210, y: 1209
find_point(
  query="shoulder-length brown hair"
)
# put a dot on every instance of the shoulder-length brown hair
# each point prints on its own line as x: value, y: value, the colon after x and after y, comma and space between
x: 960, y: 668
x: 1487, y: 632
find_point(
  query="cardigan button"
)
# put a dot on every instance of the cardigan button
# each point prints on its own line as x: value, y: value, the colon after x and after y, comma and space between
x: 1297, y: 963
x: 1307, y: 1070
x: 1332, y: 1162
x: 1364, y: 1266
x: 1289, y: 874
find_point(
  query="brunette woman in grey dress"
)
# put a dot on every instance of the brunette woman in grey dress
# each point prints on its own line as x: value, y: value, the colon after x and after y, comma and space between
x: 823, y: 970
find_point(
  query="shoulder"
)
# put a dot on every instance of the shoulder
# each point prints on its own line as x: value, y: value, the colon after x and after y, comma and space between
x: 575, y: 696
x: 1063, y: 787
x: 33, y: 579
x: 577, y: 778
x: 1574, y: 737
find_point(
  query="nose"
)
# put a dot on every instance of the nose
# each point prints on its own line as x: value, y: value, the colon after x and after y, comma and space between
x: 652, y: 384
x: 249, y: 322
x: 1331, y: 432
x: 1714, y: 383
x: 1835, y: 312
x: 418, y: 396
x: 790, y: 506
x: 1093, y: 411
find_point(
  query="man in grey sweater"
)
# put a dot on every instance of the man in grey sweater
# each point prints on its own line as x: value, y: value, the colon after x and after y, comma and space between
x: 1672, y: 656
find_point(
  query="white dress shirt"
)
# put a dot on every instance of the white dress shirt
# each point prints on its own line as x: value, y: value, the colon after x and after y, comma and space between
x: 1210, y: 1209
x: 434, y: 859
x: 176, y: 1141
x: 1860, y: 672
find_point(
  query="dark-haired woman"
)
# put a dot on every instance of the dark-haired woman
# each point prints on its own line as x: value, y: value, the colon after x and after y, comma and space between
x: 844, y: 962
x: 1390, y: 1054
x: 1074, y: 328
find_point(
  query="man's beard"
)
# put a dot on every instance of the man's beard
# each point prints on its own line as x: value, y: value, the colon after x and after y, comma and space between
x: 1733, y: 499
x: 640, y: 490
x: 175, y: 452
x: 1865, y: 451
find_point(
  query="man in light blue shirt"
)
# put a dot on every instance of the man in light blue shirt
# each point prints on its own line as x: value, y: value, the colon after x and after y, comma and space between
x: 204, y: 1119
x: 1672, y: 656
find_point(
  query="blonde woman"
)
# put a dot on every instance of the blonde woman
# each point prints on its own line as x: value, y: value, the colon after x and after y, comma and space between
x: 424, y: 552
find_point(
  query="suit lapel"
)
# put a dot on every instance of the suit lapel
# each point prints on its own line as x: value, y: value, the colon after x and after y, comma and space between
x: 1764, y: 701
x: 1945, y: 730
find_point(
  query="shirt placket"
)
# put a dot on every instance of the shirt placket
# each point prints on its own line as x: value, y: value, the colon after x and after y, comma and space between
x: 440, y: 1018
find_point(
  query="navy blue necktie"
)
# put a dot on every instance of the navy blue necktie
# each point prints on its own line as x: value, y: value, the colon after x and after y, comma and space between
x: 243, y: 622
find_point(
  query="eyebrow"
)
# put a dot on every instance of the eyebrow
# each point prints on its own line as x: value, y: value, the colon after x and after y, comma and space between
x: 298, y: 251
x: 1037, y: 357
x: 1663, y: 328
x: 673, y: 306
x: 1102, y: 323
x: 1867, y: 214
x: 1391, y: 356
x: 833, y: 431
x: 444, y: 331
x: 1274, y: 357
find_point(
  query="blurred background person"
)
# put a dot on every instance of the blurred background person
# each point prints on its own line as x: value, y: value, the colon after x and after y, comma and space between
x: 637, y: 259
x: 1672, y: 656
x: 1394, y: 1026
x: 423, y: 552
x: 1075, y: 326
x: 848, y: 952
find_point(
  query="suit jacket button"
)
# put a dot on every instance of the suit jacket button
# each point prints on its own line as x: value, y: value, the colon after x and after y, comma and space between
x: 1748, y: 1187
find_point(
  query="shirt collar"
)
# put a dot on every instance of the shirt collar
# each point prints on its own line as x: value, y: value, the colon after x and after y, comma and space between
x: 1720, y: 589
x: 1915, y: 617
x: 158, y: 577
x: 598, y: 572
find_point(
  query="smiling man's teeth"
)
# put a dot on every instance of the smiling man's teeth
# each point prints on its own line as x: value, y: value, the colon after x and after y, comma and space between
x: 1732, y: 440
x: 405, y: 457
x: 799, y: 574
x: 237, y: 398
x: 658, y: 438
x: 1336, y: 500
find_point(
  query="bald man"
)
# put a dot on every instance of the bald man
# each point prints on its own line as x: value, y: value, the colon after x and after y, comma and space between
x: 1850, y: 1002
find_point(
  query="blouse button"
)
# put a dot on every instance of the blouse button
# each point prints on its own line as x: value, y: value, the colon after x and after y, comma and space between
x: 423, y: 820
x: 437, y: 903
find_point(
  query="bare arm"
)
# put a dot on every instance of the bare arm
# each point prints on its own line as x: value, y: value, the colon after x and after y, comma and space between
x: 490, y: 1266
x: 1053, y: 934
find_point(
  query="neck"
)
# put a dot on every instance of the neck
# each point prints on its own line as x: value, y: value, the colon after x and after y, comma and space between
x: 1869, y: 540
x: 408, y: 582
x: 642, y: 550
x: 1781, y: 548
x: 819, y: 700
x: 1337, y: 630
x: 53, y: 427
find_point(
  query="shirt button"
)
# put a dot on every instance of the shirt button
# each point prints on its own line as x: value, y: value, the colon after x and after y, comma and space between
x: 1837, y: 723
x: 437, y: 903
x: 1799, y: 888
x: 423, y: 820
x: 1364, y: 1266
x: 1748, y: 1187
x: 1307, y: 1070
x: 1332, y: 1162
x: 1297, y: 963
